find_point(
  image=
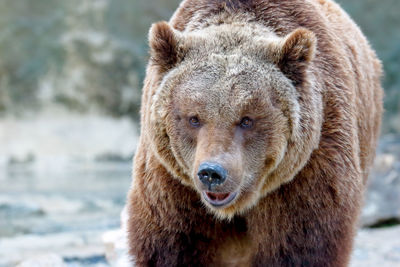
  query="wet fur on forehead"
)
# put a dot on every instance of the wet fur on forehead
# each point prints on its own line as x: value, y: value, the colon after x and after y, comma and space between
x: 233, y: 37
x: 228, y: 88
x: 224, y: 75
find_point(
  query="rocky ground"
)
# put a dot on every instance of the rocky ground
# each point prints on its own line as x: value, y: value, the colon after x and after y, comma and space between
x: 66, y: 217
x: 60, y: 208
x: 63, y: 183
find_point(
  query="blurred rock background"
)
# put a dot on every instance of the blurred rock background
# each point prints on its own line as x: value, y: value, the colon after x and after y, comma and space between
x: 70, y: 79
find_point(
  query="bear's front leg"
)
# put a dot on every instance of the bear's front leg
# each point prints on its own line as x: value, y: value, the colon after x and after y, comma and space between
x: 311, y: 221
x: 159, y: 239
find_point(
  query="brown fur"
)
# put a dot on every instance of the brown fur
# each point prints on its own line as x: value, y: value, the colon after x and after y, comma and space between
x: 305, y: 74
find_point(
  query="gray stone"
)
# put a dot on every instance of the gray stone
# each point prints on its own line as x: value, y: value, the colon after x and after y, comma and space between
x: 382, y: 201
x: 377, y: 247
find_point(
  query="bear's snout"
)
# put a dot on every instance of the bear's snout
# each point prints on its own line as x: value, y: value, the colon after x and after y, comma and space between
x: 211, y: 174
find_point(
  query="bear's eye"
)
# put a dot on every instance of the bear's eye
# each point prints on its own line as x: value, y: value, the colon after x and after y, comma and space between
x: 246, y: 123
x: 194, y: 121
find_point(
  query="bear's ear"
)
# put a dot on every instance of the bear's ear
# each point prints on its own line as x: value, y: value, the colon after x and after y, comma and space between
x: 164, y: 46
x: 295, y: 53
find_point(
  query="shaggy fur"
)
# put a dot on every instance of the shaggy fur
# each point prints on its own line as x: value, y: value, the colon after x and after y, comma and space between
x: 308, y: 79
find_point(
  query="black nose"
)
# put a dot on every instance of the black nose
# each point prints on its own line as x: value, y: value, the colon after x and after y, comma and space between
x: 211, y: 174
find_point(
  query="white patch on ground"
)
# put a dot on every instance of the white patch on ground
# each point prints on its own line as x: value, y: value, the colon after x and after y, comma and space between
x: 45, y: 260
x: 65, y: 245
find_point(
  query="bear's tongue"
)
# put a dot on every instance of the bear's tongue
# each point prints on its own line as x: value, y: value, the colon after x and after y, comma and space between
x: 217, y: 196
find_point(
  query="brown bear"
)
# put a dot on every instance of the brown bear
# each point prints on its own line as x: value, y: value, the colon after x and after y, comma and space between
x: 259, y: 125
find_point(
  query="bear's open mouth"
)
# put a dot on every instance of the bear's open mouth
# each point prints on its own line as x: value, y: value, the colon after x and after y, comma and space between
x: 219, y: 199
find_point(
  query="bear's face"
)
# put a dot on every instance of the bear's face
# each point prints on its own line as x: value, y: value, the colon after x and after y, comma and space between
x: 225, y: 114
x: 226, y: 120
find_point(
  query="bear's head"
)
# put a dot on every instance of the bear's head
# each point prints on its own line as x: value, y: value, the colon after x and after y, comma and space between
x: 234, y: 113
